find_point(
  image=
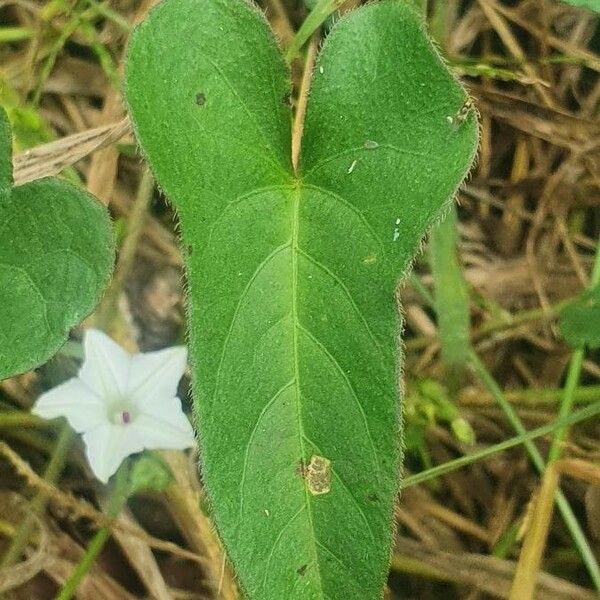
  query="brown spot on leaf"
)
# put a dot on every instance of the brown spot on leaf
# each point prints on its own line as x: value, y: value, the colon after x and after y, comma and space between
x: 318, y: 475
x: 200, y: 99
x: 373, y: 497
x: 301, y: 570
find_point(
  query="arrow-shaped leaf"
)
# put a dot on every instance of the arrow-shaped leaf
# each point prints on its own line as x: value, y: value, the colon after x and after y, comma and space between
x: 294, y: 325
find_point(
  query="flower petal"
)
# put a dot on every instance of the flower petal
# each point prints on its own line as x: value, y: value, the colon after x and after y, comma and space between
x: 74, y: 400
x: 156, y: 375
x: 107, y: 446
x: 164, y: 425
x: 106, y: 365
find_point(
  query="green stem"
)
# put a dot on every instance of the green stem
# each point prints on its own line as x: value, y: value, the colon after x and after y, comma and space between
x: 562, y: 503
x: 117, y: 501
x: 573, y: 375
x: 418, y: 286
x: 14, y: 34
x: 68, y: 30
x: 104, y: 10
x: 53, y: 470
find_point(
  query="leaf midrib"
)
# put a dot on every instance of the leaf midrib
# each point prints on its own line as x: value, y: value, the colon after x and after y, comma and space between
x: 295, y: 189
x: 296, y: 193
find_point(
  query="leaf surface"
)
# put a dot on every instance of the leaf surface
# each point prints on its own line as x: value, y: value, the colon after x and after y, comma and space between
x: 56, y: 255
x: 580, y: 320
x: 294, y: 325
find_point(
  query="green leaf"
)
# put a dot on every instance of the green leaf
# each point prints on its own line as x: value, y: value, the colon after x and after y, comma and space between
x: 56, y: 254
x: 580, y: 321
x: 293, y: 317
x: 590, y: 4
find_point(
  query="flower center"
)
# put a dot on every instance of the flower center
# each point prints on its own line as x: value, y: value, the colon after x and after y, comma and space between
x: 121, y: 414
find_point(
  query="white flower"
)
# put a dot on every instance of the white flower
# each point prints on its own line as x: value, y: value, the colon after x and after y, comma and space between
x: 121, y: 403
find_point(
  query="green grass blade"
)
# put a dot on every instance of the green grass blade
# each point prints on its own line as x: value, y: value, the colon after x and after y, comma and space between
x: 577, y: 417
x: 579, y: 538
x: 451, y: 298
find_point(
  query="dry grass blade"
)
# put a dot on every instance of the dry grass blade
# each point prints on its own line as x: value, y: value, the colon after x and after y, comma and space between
x: 16, y: 575
x: 52, y: 158
x: 140, y: 556
x: 97, y: 585
x: 486, y: 574
x: 541, y: 508
x: 81, y: 510
x: 183, y: 500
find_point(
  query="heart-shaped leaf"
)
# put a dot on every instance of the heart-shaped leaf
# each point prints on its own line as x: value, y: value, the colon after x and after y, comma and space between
x: 294, y: 324
x: 56, y: 254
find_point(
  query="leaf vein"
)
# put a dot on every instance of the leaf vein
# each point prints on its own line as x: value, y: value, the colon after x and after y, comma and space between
x: 361, y: 150
x: 276, y: 542
x: 344, y: 376
x: 239, y: 200
x: 296, y: 325
x: 250, y: 114
x: 346, y: 290
x: 263, y: 412
x: 335, y: 196
x: 243, y: 296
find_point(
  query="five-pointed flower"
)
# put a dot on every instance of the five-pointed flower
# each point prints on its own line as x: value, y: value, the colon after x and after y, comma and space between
x: 121, y: 403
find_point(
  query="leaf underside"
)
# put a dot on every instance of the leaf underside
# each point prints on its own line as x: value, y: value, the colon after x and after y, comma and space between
x: 294, y: 325
x: 56, y: 255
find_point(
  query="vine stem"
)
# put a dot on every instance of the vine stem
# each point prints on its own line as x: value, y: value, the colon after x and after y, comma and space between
x: 118, y: 499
